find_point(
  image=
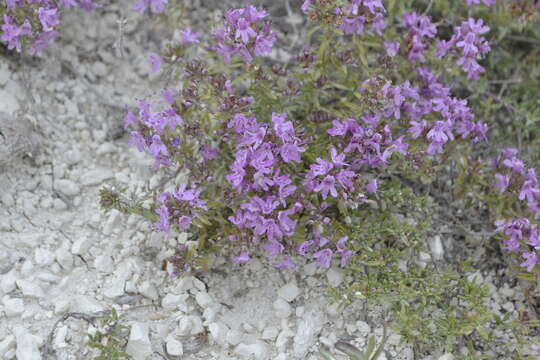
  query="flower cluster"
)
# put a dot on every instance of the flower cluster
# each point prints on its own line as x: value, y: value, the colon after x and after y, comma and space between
x: 353, y: 16
x: 153, y: 132
x: 468, y: 43
x: 35, y: 21
x: 179, y: 208
x: 155, y: 6
x: 485, y: 2
x: 419, y: 27
x: 450, y: 116
x: 514, y: 177
x: 244, y: 34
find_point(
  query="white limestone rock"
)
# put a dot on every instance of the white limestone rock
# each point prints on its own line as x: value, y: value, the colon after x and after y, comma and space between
x: 334, y: 277
x: 67, y: 187
x: 148, y: 290
x: 174, y: 347
x: 234, y: 337
x: 30, y: 289
x: 64, y: 258
x: 43, y: 257
x: 27, y: 345
x: 81, y: 245
x: 13, y: 306
x: 7, y: 344
x: 219, y: 331
x: 85, y: 304
x: 436, y: 247
x: 104, y: 264
x: 270, y: 333
x: 447, y: 357
x: 96, y: 177
x: 258, y: 350
x: 282, y: 308
x: 289, y: 292
x: 307, y: 331
x: 203, y: 299
x: 139, y: 346
x: 8, y: 282
x: 175, y: 302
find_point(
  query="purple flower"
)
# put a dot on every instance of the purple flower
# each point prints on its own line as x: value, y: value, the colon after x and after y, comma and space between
x: 168, y: 96
x: 130, y: 119
x: 42, y: 42
x: 189, y: 37
x: 344, y: 177
x: 163, y: 223
x: 303, y: 248
x: 372, y: 187
x: 49, y: 18
x: 155, y: 62
x: 392, y: 48
x: 244, y: 30
x: 515, y: 164
x: 324, y: 258
x: 342, y: 251
x: 242, y: 258
x: 156, y: 6
x: 286, y: 263
x: 476, y: 2
x: 321, y: 168
x: 502, y: 182
x: 328, y: 185
x: 12, y: 33
x: 274, y: 248
x: 68, y: 3
x: 291, y: 152
x: 184, y: 221
x: 531, y: 259
x: 208, y: 153
x: 284, y: 130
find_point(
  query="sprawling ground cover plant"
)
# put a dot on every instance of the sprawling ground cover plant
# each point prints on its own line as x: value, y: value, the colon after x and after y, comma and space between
x: 277, y: 186
x: 291, y: 157
x: 32, y: 24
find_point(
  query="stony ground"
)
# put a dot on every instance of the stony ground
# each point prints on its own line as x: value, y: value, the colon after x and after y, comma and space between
x: 64, y: 264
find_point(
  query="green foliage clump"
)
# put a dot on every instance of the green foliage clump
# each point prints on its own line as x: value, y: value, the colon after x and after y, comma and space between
x: 111, y: 338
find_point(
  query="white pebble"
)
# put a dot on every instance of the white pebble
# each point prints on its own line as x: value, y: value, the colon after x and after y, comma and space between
x: 104, y: 263
x: 436, y: 247
x: 258, y: 350
x: 7, y: 344
x: 219, y: 332
x: 96, y: 177
x: 363, y: 327
x: 289, y: 292
x: 13, y: 306
x: 334, y: 277
x: 203, y: 299
x: 43, y: 257
x: 148, y: 290
x: 270, y: 333
x: 174, y: 347
x: 27, y: 345
x: 81, y: 246
x: 282, y: 308
x: 234, y: 337
x: 139, y: 346
x: 67, y: 187
x: 30, y: 289
x: 447, y: 357
x: 174, y: 302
